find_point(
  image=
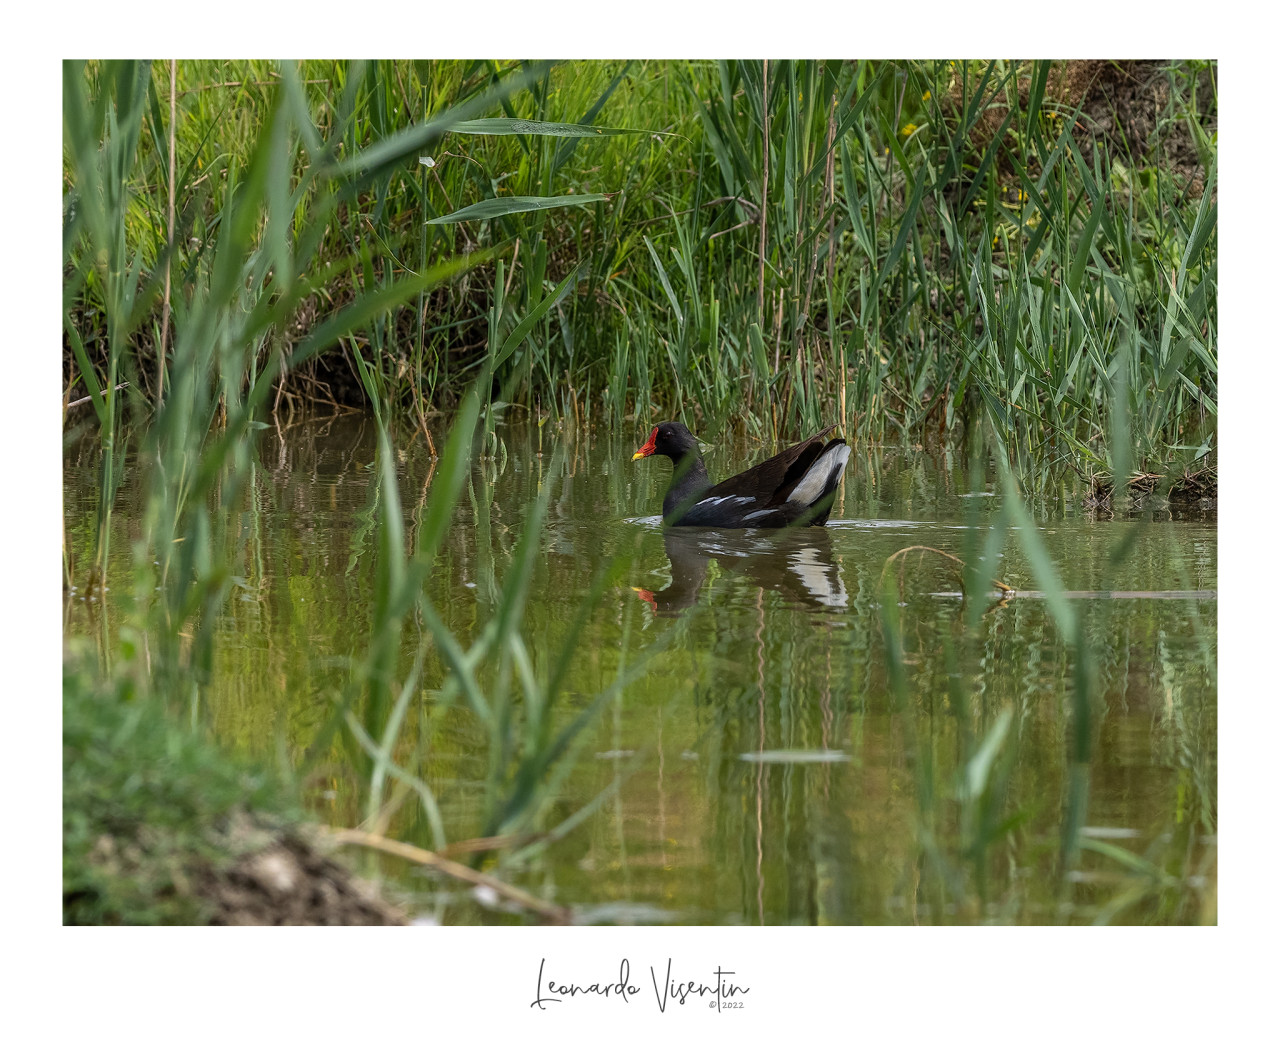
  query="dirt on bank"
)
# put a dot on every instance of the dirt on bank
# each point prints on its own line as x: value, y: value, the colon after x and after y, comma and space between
x: 279, y: 876
x: 1121, y: 107
x: 161, y: 826
x: 1123, y: 103
x: 288, y: 879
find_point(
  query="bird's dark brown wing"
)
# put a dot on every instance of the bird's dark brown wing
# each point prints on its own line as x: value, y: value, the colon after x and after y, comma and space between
x: 772, y: 480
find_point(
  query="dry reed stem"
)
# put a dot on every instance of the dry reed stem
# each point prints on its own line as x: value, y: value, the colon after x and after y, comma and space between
x: 556, y: 914
x: 85, y: 400
x: 483, y: 844
x: 273, y: 82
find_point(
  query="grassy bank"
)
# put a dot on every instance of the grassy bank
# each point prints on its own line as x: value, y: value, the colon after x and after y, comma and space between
x: 162, y: 826
x: 924, y: 245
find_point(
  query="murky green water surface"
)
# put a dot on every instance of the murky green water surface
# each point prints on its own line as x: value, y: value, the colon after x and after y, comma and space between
x: 758, y: 764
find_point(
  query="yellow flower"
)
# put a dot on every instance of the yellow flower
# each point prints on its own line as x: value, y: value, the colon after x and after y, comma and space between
x: 907, y: 130
x: 926, y: 96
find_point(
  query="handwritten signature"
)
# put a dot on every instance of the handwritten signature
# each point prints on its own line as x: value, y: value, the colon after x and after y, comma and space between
x: 720, y: 993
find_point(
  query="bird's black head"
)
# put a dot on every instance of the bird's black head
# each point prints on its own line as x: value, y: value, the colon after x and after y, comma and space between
x: 668, y: 438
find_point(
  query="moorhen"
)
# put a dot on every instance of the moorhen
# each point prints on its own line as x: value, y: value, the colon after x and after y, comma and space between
x: 797, y: 486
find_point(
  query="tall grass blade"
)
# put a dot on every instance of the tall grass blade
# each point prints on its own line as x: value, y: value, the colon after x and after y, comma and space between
x: 499, y: 206
x: 508, y: 126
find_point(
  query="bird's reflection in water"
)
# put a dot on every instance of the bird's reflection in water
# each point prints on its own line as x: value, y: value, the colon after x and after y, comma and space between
x: 796, y: 562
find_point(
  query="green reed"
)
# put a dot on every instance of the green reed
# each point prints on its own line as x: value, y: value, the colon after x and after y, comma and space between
x: 235, y: 296
x: 938, y: 249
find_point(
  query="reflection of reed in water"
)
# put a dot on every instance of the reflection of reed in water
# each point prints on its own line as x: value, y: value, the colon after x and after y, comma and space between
x: 797, y: 563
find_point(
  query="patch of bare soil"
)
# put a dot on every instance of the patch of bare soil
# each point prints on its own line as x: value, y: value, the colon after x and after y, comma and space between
x: 1124, y: 106
x: 283, y: 877
x: 1123, y: 109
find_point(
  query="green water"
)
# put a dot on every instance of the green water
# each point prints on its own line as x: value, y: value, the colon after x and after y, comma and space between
x: 757, y: 764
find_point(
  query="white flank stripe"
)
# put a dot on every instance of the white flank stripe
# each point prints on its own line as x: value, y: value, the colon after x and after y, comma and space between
x: 726, y: 498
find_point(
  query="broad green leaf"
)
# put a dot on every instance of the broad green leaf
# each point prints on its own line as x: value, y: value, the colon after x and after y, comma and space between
x: 413, y: 139
x: 1083, y: 248
x: 372, y: 305
x: 979, y: 766
x: 1134, y: 863
x: 1210, y: 405
x: 86, y: 370
x: 757, y: 349
x: 906, y: 228
x: 496, y: 207
x: 534, y: 315
x: 452, y: 474
x: 1042, y: 568
x: 1205, y: 225
x: 501, y: 125
x: 1177, y: 355
x: 666, y: 284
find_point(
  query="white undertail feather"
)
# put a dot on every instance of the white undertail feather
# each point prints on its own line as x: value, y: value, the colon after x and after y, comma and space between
x: 825, y: 471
